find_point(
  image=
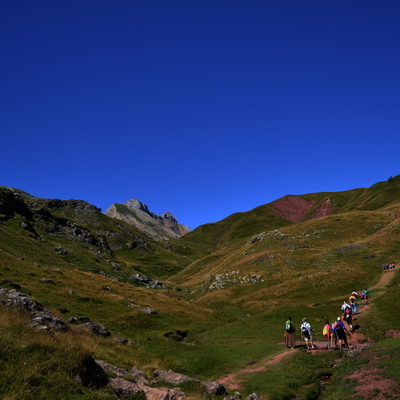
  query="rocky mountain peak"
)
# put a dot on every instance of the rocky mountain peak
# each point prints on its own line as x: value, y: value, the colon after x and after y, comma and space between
x: 136, y: 213
x: 136, y: 204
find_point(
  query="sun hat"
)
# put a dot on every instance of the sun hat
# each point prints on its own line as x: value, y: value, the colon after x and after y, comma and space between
x: 304, y: 319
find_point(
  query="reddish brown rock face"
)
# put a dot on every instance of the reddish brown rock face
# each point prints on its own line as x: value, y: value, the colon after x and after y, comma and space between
x: 295, y: 208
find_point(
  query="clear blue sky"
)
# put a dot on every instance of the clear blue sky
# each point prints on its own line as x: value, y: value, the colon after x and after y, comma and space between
x: 198, y: 107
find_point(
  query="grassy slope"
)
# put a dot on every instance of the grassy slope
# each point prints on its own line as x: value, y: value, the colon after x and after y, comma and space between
x: 305, y: 269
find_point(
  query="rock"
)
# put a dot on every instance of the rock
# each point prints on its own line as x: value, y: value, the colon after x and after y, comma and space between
x: 137, y: 214
x: 124, y: 389
x: 47, y: 280
x: 41, y: 319
x: 148, y: 310
x: 78, y: 320
x: 212, y: 388
x: 122, y: 340
x: 11, y: 284
x: 171, y: 377
x: 215, y: 388
x: 253, y: 396
x: 90, y: 374
x: 111, y: 368
x: 97, y: 329
x: 163, y: 394
x: 60, y: 251
x: 139, y: 376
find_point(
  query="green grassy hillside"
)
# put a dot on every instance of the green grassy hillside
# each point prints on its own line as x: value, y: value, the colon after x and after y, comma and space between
x: 227, y: 289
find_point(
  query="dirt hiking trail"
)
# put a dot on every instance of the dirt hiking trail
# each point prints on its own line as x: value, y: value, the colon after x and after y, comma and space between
x: 232, y: 382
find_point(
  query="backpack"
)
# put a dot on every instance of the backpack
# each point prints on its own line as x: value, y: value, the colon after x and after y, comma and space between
x: 326, y: 329
x: 289, y: 326
x: 304, y: 330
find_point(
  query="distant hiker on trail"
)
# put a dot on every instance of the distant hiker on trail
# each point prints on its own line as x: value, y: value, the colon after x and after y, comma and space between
x: 340, y: 330
x: 353, y: 302
x: 306, y: 331
x: 327, y: 332
x: 348, y: 317
x: 344, y: 306
x: 334, y: 337
x: 290, y: 329
x: 362, y: 297
x: 366, y: 296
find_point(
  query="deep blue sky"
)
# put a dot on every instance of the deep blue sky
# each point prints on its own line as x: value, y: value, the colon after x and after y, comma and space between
x: 198, y: 107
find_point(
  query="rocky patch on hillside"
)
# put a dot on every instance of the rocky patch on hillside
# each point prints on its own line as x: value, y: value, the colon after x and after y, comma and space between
x: 297, y: 209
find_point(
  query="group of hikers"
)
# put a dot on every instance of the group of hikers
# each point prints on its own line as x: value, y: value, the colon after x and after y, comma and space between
x: 335, y: 334
x: 388, y: 267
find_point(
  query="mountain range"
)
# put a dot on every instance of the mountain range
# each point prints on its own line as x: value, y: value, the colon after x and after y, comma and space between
x: 204, y: 302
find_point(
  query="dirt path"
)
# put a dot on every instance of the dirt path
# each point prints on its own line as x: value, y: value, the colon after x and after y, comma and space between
x: 231, y: 381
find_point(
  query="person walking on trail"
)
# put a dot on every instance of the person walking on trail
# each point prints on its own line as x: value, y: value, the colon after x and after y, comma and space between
x: 327, y: 332
x: 353, y: 302
x: 334, y: 337
x: 340, y: 330
x: 344, y: 306
x: 290, y: 329
x: 348, y: 318
x: 306, y: 331
x: 366, y: 296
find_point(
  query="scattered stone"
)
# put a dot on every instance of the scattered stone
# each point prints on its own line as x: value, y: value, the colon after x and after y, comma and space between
x: 163, y: 394
x: 148, y: 310
x: 215, y: 388
x: 124, y: 389
x: 97, y: 329
x: 171, y: 377
x: 111, y: 368
x: 122, y: 340
x: 253, y: 396
x: 41, y: 318
x: 139, y: 376
x: 47, y: 280
x: 78, y: 320
x: 11, y: 284
x: 60, y: 251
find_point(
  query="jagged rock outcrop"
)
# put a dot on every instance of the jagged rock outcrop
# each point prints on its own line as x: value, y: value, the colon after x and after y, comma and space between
x: 135, y: 213
x: 41, y: 318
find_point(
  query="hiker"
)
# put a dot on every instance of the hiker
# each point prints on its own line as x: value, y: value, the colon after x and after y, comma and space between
x: 366, y: 296
x: 344, y: 306
x: 362, y: 297
x: 353, y: 302
x: 334, y: 337
x: 348, y: 317
x: 340, y: 330
x: 306, y: 331
x: 290, y: 329
x: 327, y: 332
